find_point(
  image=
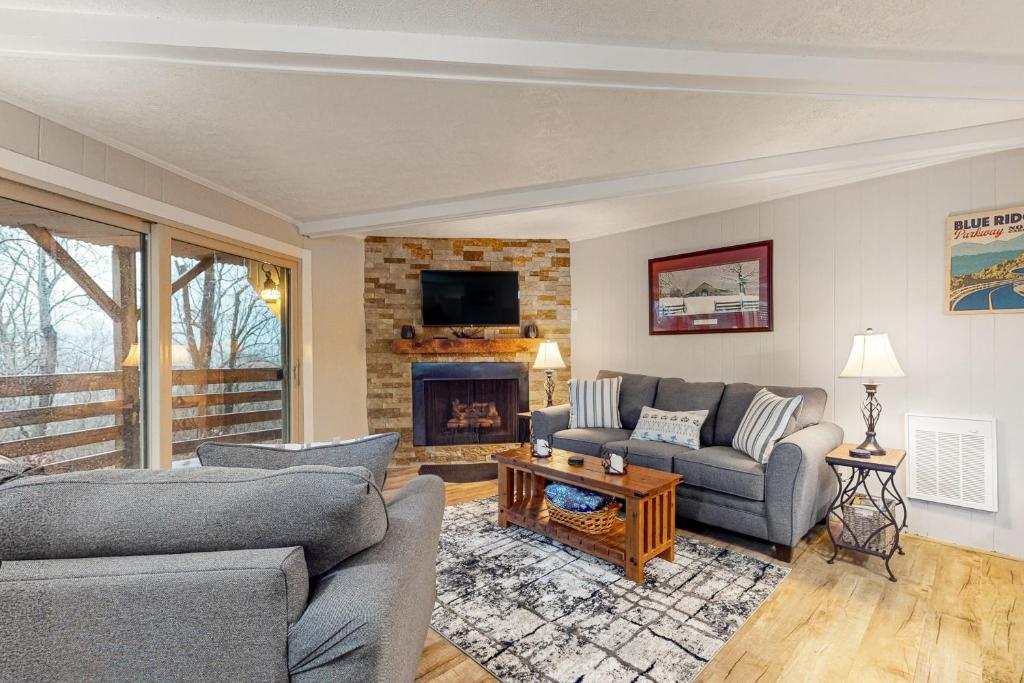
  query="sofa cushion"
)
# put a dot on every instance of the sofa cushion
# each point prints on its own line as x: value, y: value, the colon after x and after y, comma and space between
x: 737, y: 397
x: 288, y: 563
x: 372, y: 452
x: 654, y: 454
x: 331, y: 512
x: 12, y: 469
x: 636, y: 392
x: 722, y: 469
x: 681, y: 428
x: 676, y: 394
x: 587, y: 441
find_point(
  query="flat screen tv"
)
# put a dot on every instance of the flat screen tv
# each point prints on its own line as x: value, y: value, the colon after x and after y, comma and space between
x: 464, y: 298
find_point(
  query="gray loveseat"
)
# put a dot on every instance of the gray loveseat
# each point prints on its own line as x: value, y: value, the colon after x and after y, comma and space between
x: 722, y: 487
x: 216, y: 574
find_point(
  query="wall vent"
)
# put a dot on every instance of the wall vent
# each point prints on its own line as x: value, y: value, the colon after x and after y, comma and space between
x: 952, y: 460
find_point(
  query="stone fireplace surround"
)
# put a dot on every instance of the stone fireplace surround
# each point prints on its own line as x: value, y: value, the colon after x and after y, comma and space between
x: 392, y: 299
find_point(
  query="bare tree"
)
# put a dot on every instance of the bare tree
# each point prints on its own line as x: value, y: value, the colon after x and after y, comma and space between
x: 743, y: 278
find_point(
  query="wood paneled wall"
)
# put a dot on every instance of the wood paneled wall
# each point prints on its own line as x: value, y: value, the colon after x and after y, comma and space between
x: 869, y: 254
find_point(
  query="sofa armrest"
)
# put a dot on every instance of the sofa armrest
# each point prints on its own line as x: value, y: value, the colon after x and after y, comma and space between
x: 798, y: 482
x: 367, y: 620
x: 547, y: 421
x: 216, y: 616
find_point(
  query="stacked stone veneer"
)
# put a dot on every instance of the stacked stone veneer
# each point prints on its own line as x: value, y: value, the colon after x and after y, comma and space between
x: 392, y: 297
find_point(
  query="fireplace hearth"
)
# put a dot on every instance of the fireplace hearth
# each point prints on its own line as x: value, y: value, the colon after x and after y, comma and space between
x: 468, y: 403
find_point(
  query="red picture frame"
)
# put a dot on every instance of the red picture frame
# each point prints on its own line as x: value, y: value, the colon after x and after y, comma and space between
x: 728, y: 289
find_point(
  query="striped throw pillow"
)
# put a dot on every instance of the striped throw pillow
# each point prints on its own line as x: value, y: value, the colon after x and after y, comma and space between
x: 594, y: 403
x: 763, y: 424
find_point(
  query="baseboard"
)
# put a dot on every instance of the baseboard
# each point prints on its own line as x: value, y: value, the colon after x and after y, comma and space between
x: 960, y: 546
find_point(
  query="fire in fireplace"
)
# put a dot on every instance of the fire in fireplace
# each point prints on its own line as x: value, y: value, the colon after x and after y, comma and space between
x: 478, y: 415
x: 468, y: 403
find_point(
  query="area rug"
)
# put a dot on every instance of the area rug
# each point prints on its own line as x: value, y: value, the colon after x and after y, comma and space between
x: 527, y: 608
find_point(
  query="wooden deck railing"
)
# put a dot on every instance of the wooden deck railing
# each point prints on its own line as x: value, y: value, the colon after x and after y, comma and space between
x: 124, y: 433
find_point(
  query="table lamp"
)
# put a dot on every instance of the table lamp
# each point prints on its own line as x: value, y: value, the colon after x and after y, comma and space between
x: 871, y: 358
x: 549, y: 359
x: 179, y: 356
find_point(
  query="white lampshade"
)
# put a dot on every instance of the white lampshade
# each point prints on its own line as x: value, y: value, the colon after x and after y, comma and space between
x: 133, y: 357
x: 548, y: 357
x: 872, y: 357
x: 180, y: 355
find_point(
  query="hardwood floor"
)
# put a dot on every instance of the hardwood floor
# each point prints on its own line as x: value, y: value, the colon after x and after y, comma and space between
x: 954, y: 615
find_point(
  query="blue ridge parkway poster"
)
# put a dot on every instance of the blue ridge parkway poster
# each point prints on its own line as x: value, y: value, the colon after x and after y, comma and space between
x: 985, y: 262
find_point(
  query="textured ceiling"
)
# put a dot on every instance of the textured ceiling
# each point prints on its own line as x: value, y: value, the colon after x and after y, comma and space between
x: 314, y: 145
x: 317, y: 145
x: 946, y: 27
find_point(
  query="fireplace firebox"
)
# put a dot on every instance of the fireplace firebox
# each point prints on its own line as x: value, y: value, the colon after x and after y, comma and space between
x: 468, y: 403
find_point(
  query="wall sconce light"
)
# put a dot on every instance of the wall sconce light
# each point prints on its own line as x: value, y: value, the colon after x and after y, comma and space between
x: 270, y: 293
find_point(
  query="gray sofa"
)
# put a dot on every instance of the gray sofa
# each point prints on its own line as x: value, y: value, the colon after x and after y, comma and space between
x: 722, y: 487
x: 216, y: 574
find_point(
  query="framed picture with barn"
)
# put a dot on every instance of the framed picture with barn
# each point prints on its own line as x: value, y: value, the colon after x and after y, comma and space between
x: 985, y: 262
x: 718, y: 290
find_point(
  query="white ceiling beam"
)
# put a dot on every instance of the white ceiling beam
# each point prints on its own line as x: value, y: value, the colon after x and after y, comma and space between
x: 906, y: 151
x: 315, y: 49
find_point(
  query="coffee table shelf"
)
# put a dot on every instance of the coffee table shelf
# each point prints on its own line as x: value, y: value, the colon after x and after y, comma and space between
x: 532, y: 514
x: 647, y: 531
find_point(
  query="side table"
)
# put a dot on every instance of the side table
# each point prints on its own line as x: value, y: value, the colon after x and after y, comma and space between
x: 868, y: 513
x: 525, y: 434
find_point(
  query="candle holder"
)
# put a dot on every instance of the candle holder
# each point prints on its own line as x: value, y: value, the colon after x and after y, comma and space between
x: 614, y: 463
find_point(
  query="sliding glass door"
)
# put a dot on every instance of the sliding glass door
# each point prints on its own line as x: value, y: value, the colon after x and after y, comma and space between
x: 230, y: 347
x: 128, y: 344
x: 70, y: 339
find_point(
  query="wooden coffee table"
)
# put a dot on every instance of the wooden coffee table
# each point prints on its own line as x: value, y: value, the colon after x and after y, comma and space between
x: 650, y: 495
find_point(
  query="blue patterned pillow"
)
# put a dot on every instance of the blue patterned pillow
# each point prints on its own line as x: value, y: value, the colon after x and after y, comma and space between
x: 681, y: 427
x: 576, y: 499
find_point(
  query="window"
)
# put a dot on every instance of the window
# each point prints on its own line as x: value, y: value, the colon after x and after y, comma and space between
x: 75, y: 379
x: 229, y: 335
x: 70, y: 340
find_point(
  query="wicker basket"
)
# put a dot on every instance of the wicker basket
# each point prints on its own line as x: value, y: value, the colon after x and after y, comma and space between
x: 862, y: 519
x: 596, y: 522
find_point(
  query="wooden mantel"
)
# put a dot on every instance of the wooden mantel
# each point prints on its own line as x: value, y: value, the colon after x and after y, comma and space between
x: 479, y: 347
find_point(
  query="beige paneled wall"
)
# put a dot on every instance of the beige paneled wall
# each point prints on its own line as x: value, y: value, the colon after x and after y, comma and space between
x: 39, y: 138
x: 870, y: 254
x: 339, y: 338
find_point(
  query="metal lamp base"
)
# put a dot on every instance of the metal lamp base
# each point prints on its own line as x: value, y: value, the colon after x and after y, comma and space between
x: 549, y: 386
x: 867, y: 448
x: 872, y: 411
